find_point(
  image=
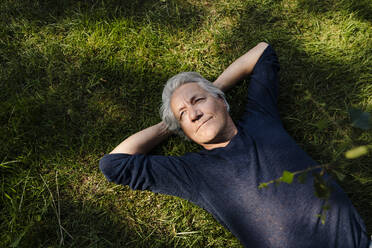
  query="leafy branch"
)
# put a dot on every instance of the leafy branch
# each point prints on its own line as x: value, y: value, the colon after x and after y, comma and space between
x: 359, y: 119
x: 322, y: 190
x: 287, y: 176
x: 321, y: 187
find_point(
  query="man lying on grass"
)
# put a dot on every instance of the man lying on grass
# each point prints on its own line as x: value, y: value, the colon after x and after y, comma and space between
x: 223, y: 178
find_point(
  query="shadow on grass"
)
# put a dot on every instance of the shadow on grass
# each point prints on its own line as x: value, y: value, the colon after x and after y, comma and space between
x: 175, y: 14
x: 86, y: 225
x: 361, y: 8
x: 58, y: 107
x: 78, y: 119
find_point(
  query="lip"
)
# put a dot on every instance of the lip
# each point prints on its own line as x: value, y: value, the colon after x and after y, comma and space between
x: 203, y: 123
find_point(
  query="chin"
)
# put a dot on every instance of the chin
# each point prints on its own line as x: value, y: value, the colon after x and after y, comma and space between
x: 208, y: 137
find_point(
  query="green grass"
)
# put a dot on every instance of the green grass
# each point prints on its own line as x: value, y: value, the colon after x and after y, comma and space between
x: 77, y: 77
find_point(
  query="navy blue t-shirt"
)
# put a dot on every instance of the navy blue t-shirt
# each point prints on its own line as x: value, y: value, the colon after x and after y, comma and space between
x: 224, y: 181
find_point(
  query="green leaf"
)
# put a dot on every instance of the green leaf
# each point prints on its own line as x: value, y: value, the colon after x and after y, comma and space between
x: 302, y: 178
x: 360, y: 119
x: 356, y: 152
x: 287, y: 177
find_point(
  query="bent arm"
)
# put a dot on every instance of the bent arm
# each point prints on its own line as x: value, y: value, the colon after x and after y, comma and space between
x: 143, y: 141
x: 240, y: 68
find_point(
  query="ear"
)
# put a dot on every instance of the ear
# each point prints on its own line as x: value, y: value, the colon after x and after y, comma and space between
x: 224, y: 103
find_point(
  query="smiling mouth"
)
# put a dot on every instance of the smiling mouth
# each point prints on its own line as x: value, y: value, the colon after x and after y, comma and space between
x: 204, y: 123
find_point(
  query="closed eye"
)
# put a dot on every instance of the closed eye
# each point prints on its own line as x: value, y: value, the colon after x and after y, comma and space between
x: 193, y: 101
x: 181, y: 114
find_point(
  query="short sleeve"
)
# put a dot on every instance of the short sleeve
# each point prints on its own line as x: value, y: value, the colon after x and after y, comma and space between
x: 159, y: 174
x: 263, y: 86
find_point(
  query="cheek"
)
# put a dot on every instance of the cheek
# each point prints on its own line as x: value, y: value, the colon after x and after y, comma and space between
x: 215, y: 106
x: 187, y: 128
x: 211, y: 131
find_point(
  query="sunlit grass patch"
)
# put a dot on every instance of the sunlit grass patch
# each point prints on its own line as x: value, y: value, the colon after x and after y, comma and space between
x: 79, y: 77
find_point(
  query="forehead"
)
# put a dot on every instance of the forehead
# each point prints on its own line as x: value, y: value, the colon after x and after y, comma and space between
x: 185, y: 92
x: 188, y: 89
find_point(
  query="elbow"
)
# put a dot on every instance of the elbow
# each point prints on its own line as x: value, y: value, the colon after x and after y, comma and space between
x: 263, y: 43
x: 262, y: 46
x: 102, y: 164
x: 105, y: 167
x: 115, y: 168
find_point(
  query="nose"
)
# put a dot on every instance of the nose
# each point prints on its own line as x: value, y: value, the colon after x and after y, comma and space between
x: 195, y: 114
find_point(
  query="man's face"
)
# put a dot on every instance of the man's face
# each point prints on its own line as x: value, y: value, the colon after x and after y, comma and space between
x: 202, y: 117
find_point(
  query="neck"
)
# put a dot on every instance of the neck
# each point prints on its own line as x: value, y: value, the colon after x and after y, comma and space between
x: 224, y: 139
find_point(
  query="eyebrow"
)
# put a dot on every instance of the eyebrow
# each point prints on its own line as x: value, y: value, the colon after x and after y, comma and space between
x: 191, y: 100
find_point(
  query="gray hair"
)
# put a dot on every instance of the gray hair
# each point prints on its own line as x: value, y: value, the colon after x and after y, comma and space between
x: 172, y: 84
